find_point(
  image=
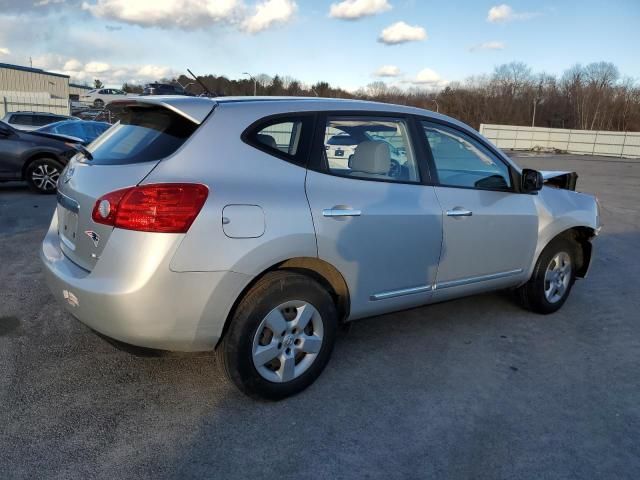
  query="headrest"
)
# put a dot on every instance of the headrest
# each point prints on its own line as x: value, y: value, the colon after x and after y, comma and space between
x: 268, y: 140
x: 372, y: 156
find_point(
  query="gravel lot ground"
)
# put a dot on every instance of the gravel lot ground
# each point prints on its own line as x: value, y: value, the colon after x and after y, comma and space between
x: 474, y: 388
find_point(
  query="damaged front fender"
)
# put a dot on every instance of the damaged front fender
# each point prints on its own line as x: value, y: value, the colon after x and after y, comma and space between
x: 559, y: 179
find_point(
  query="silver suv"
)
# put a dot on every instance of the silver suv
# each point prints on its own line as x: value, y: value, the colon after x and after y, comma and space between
x: 199, y: 224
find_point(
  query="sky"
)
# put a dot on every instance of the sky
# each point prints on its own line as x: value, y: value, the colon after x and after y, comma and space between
x: 348, y: 43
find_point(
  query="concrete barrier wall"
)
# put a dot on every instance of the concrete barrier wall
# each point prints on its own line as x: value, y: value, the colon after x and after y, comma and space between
x: 586, y: 142
x: 33, y: 103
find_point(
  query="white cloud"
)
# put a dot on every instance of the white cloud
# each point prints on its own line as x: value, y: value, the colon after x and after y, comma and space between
x: 72, y: 64
x: 268, y: 13
x: 387, y: 71
x: 429, y: 78
x: 194, y: 14
x: 5, y: 51
x: 43, y: 3
x: 504, y: 13
x: 97, y: 67
x: 354, y: 9
x: 112, y: 75
x: 400, y: 32
x: 494, y: 45
x: 184, y: 14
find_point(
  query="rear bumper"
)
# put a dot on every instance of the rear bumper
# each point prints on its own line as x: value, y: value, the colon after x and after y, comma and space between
x: 132, y: 295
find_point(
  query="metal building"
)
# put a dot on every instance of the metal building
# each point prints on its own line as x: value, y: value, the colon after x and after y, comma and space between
x: 76, y: 91
x: 32, y: 89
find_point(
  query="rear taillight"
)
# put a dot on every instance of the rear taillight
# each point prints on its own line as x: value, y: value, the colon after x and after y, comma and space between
x: 161, y: 207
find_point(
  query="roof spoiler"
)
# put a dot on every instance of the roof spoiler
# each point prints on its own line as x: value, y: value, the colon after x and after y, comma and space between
x: 195, y: 109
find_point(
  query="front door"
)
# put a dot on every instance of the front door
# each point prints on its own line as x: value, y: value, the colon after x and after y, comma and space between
x: 374, y: 220
x: 490, y: 231
x: 11, y: 148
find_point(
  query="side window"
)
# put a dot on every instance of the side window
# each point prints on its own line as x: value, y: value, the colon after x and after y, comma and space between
x: 20, y: 119
x: 370, y: 148
x: 461, y: 161
x: 282, y: 136
x: 41, y: 120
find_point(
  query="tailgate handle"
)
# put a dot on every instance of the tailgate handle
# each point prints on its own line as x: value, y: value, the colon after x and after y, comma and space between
x: 68, y: 202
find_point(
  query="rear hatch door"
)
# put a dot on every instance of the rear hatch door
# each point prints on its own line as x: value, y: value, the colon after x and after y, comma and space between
x: 122, y: 157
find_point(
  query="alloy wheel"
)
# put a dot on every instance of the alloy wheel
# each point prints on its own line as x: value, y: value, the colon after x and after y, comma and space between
x: 45, y: 177
x: 557, y: 277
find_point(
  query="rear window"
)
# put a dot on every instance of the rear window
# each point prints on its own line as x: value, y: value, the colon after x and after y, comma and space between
x: 143, y: 134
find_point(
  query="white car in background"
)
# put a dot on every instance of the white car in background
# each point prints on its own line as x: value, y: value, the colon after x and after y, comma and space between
x: 103, y: 96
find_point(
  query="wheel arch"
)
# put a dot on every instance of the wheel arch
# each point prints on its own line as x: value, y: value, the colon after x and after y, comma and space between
x: 323, y: 272
x: 582, y: 236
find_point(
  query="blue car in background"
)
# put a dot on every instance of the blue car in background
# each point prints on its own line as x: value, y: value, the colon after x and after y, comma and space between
x: 84, y: 130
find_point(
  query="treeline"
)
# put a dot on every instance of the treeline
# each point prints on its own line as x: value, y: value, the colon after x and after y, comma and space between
x: 590, y: 97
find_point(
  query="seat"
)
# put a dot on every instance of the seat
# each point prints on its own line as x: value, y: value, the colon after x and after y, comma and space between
x: 371, y: 159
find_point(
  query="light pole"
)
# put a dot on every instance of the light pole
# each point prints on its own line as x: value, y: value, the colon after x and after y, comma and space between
x: 255, y: 82
x: 536, y: 101
x: 437, y: 106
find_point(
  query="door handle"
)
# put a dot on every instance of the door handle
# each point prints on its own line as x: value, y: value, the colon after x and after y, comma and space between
x: 459, y: 212
x: 341, y: 212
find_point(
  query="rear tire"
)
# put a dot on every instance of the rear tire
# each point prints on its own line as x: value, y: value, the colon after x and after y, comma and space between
x: 42, y: 175
x: 552, y: 278
x: 280, y: 337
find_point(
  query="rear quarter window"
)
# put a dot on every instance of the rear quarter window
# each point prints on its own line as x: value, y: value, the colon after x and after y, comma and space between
x: 144, y: 133
x: 283, y: 136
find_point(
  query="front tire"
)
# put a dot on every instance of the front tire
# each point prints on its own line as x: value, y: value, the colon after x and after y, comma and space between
x: 42, y: 175
x: 98, y: 103
x: 280, y: 337
x: 552, y: 278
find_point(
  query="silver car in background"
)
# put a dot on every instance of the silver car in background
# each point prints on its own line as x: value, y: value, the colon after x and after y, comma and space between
x: 198, y: 224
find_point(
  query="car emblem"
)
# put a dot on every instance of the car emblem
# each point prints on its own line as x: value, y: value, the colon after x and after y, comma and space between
x: 93, y: 236
x: 68, y: 174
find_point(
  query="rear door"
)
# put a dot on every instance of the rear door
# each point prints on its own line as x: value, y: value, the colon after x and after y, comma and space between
x: 375, y: 219
x: 490, y: 230
x: 122, y: 158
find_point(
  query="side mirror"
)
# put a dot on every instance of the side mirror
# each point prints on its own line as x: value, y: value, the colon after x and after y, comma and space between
x: 530, y: 180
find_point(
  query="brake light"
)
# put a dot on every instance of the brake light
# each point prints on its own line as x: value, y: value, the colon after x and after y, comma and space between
x: 161, y: 207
